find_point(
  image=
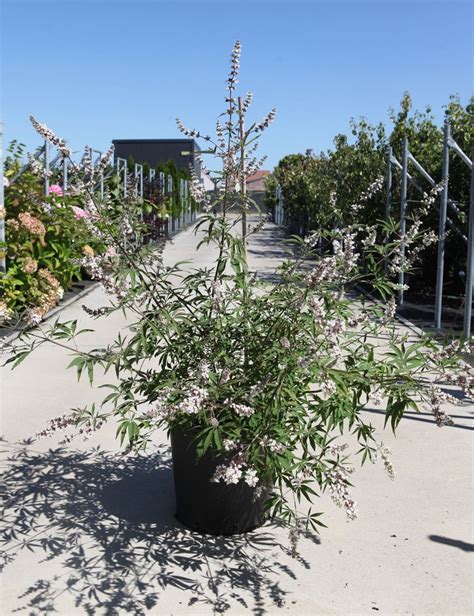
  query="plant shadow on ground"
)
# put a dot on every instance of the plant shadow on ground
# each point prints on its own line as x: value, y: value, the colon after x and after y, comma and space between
x: 460, y: 420
x: 107, y: 522
x: 271, y: 243
x: 455, y: 543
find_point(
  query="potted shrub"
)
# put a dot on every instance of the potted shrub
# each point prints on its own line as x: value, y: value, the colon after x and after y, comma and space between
x: 255, y: 381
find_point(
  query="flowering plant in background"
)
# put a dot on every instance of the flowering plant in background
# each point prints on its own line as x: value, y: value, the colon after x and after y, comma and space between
x: 44, y: 242
x: 55, y: 189
x: 271, y: 376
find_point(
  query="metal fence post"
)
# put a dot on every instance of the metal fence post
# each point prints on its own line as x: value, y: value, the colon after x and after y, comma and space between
x: 403, y: 209
x: 3, y: 263
x: 183, y: 202
x: 46, y: 168
x: 388, y: 184
x: 280, y: 219
x: 388, y: 198
x: 65, y: 173
x: 122, y: 164
x: 161, y: 189
x: 470, y: 260
x: 281, y: 209
x: 169, y: 189
x: 275, y: 215
x: 180, y: 200
x: 192, y: 213
x: 101, y: 175
x: 139, y: 175
x: 186, y: 200
x: 442, y: 228
x: 186, y: 204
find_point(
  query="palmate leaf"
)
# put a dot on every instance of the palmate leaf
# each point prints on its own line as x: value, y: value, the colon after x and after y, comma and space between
x: 79, y: 363
x: 17, y: 359
x: 394, y: 412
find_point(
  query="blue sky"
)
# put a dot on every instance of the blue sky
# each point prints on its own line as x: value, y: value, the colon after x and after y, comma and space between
x: 96, y: 70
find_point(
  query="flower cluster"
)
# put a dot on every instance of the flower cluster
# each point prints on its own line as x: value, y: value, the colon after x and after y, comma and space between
x: 345, y: 253
x: 328, y: 387
x: 193, y: 402
x: 235, y: 471
x: 55, y: 189
x: 53, y: 293
x: 48, y: 134
x: 192, y: 134
x: 162, y: 409
x: 229, y: 445
x: 243, y: 410
x: 5, y: 312
x: 57, y: 423
x: 48, y: 277
x: 98, y: 267
x: 336, y: 450
x: 31, y: 224
x: 104, y: 160
x: 390, y: 310
x: 204, y: 371
x: 89, y: 431
x: 464, y: 379
x: 430, y: 198
x: 372, y: 190
x: 338, y: 488
x: 38, y: 168
x: 384, y: 453
x: 267, y: 120
x: 408, y: 249
x: 273, y: 445
x: 79, y: 212
x: 331, y: 328
x: 437, y: 397
x: 197, y: 189
x: 371, y: 237
x: 234, y: 66
x: 29, y: 265
x: 324, y: 271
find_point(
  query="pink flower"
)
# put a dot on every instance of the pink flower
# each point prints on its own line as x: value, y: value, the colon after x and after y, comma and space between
x: 79, y: 212
x: 111, y: 252
x: 55, y: 189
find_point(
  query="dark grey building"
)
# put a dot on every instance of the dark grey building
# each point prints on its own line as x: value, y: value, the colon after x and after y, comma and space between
x: 153, y: 151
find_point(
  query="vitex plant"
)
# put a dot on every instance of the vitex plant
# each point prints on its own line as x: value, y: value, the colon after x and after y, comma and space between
x: 267, y: 375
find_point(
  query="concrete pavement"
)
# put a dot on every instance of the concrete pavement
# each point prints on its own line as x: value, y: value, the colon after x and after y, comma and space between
x: 89, y: 531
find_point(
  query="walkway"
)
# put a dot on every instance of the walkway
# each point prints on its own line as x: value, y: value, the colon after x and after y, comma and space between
x: 95, y: 534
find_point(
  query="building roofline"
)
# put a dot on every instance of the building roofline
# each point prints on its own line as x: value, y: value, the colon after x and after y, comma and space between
x: 152, y: 140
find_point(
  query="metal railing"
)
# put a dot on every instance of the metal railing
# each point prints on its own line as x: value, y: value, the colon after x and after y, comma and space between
x: 446, y: 204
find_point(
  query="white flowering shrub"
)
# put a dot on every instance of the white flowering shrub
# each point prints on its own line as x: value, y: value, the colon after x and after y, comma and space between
x: 266, y: 375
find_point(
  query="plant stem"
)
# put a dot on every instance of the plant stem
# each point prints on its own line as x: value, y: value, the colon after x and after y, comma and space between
x: 243, y: 183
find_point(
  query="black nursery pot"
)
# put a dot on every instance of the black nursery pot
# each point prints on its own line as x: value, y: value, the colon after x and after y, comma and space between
x: 208, y: 507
